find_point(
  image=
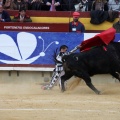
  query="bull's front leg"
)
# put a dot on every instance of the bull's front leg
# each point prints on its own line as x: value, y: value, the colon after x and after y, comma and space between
x: 62, y: 84
x: 64, y: 78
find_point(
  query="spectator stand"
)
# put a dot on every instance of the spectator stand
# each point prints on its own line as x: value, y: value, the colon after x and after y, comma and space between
x: 64, y: 17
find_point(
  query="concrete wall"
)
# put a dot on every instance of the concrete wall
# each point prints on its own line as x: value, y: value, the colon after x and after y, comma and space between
x: 24, y: 76
x: 44, y: 76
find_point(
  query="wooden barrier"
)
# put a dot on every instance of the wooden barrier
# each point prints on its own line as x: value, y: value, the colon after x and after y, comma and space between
x: 64, y: 17
x: 36, y: 27
x: 34, y: 13
x: 39, y: 27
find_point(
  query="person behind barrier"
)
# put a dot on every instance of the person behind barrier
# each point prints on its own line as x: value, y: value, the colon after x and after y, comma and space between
x: 18, y: 4
x: 56, y: 4
x: 37, y: 5
x: 100, y: 5
x: 114, y: 5
x: 22, y: 16
x: 58, y: 70
x: 4, y: 16
x: 76, y: 25
x: 8, y: 4
x: 1, y: 2
x: 83, y: 5
x: 69, y: 5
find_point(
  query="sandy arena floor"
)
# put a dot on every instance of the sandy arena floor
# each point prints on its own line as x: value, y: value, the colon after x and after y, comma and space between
x: 27, y: 101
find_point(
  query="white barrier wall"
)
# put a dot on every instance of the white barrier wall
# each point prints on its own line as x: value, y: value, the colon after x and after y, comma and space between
x: 38, y: 77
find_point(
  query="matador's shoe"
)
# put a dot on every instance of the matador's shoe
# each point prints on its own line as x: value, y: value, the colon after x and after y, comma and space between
x: 46, y: 87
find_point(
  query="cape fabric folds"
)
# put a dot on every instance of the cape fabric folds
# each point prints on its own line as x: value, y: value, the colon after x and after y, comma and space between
x: 103, y: 38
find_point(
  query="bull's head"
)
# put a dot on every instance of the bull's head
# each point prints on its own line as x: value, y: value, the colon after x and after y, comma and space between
x: 64, y: 60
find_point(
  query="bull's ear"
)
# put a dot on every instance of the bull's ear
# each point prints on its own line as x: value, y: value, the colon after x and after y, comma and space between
x: 63, y: 60
x: 76, y: 58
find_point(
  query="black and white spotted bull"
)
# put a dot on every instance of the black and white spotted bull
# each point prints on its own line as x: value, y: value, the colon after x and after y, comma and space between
x: 99, y: 60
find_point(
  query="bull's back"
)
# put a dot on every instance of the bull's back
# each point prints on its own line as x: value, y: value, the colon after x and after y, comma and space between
x: 94, y: 61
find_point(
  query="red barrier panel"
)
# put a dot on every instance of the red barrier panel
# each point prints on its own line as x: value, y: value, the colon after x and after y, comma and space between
x: 34, y: 13
x: 35, y: 27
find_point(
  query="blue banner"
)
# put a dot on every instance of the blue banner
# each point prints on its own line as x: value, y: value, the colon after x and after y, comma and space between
x: 37, y: 47
x: 34, y: 47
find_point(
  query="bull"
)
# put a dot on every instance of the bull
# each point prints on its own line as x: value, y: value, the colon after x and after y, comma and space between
x: 99, y: 60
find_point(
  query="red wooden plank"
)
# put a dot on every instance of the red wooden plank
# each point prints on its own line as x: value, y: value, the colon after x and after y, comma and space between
x: 34, y: 13
x: 36, y: 27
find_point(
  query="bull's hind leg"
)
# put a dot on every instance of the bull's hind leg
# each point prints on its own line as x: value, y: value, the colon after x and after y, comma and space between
x: 116, y: 75
x: 87, y: 80
x: 90, y: 85
x: 64, y: 78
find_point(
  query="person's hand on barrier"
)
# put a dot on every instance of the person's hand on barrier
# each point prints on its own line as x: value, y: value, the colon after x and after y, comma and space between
x: 48, y: 3
x: 1, y: 20
x: 21, y: 20
x: 57, y: 4
x: 33, y: 1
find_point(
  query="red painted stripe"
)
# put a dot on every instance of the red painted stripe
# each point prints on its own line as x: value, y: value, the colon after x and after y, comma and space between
x: 50, y: 13
x: 26, y: 65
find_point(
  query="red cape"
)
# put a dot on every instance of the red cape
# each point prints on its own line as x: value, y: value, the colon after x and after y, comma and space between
x: 103, y: 38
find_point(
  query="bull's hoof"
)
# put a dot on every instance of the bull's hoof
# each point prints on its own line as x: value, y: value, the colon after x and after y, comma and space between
x: 62, y: 90
x: 98, y: 92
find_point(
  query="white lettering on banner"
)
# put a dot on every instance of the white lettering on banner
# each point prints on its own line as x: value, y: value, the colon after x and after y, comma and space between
x: 34, y: 27
x: 12, y: 27
x: 25, y: 27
